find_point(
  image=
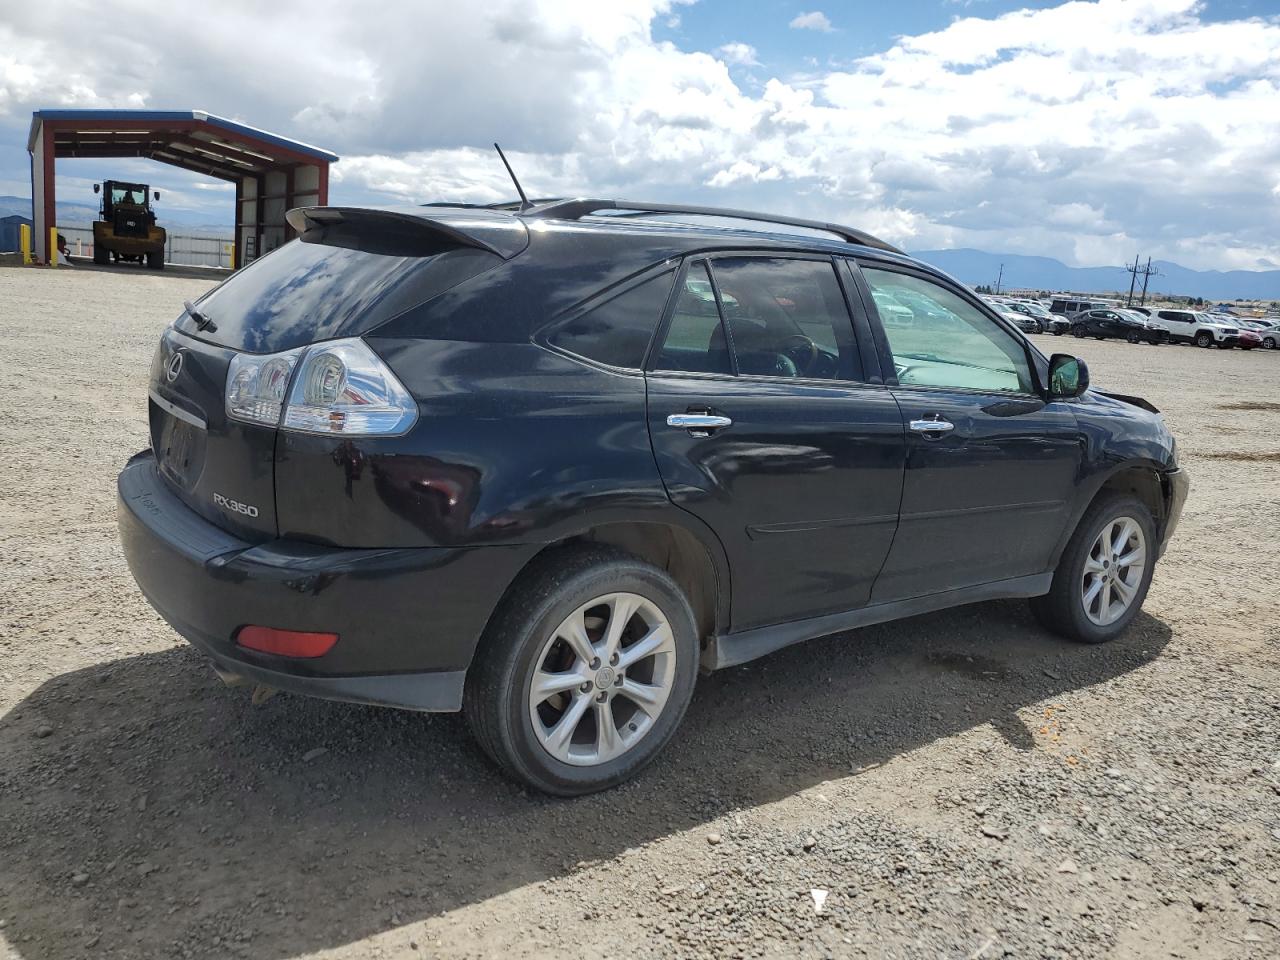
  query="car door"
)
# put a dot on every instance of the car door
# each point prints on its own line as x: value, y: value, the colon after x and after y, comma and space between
x: 765, y: 425
x: 991, y: 468
x: 1107, y: 323
x: 1179, y: 324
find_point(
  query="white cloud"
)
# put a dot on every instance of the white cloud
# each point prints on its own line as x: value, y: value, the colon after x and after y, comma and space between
x: 1085, y: 131
x: 739, y: 54
x: 817, y: 20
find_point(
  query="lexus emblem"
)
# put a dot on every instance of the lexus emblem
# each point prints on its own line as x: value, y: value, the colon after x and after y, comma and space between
x: 174, y: 368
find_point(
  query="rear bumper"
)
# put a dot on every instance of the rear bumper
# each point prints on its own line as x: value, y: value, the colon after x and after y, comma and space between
x: 408, y: 620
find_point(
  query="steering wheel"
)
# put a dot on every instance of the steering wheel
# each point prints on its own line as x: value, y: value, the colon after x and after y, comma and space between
x: 805, y: 356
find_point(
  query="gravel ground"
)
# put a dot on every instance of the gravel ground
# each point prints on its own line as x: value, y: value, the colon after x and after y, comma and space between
x: 959, y: 784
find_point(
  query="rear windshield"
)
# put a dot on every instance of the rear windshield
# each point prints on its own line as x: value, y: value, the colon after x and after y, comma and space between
x: 304, y: 292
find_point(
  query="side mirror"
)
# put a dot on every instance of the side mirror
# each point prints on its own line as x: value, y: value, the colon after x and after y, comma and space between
x: 97, y: 187
x: 157, y: 194
x: 1068, y: 376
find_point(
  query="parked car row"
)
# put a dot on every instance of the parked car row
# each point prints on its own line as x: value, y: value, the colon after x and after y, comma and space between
x: 1104, y: 320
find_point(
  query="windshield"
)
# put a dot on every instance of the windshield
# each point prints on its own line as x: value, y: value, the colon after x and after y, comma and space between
x: 129, y: 193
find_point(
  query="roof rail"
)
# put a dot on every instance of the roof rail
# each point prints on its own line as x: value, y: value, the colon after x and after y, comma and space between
x: 581, y: 207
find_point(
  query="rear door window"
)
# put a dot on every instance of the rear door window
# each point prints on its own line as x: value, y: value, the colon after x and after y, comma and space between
x: 786, y: 318
x: 695, y: 340
x: 617, y: 332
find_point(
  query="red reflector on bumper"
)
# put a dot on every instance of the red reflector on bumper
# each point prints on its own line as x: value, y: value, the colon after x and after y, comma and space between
x: 286, y: 643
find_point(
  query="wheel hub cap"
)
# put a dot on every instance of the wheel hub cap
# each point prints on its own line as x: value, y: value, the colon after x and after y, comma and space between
x: 1113, y: 571
x: 602, y: 679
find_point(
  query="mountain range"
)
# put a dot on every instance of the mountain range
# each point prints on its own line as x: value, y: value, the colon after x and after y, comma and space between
x: 1044, y: 273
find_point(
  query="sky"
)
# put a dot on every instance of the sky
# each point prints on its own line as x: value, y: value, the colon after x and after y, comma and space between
x: 1085, y: 131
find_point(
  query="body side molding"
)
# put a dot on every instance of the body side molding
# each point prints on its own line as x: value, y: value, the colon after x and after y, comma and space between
x: 729, y: 650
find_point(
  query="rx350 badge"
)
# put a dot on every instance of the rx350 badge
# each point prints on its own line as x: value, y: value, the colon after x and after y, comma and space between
x: 235, y: 506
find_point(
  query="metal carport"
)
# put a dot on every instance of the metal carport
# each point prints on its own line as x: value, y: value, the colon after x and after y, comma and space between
x: 272, y: 174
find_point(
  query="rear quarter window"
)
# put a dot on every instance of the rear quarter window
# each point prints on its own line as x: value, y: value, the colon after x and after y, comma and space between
x: 616, y: 332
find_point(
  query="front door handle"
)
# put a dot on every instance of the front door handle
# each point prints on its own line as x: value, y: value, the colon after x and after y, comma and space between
x: 698, y: 424
x: 932, y: 428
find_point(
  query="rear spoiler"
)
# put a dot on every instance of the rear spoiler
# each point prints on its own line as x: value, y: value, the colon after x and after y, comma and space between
x: 409, y: 232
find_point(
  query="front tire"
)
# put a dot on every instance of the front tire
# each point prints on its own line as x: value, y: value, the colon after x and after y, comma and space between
x: 1204, y: 339
x: 1269, y: 343
x: 584, y: 672
x: 1104, y: 573
x: 1078, y: 331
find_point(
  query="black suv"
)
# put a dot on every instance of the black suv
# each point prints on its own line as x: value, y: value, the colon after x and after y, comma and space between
x: 544, y: 463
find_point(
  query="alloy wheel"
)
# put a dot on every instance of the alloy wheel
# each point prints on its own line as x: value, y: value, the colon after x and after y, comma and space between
x: 1113, y: 571
x: 601, y: 679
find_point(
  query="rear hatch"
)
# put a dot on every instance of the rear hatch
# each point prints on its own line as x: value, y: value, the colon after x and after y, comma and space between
x: 221, y: 468
x: 351, y: 271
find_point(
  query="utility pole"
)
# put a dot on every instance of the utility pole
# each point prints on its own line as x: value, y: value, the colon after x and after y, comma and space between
x: 1147, y: 273
x: 999, y: 278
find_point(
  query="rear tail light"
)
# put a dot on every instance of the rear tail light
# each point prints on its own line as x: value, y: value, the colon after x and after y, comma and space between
x: 286, y: 643
x: 256, y: 386
x: 339, y: 387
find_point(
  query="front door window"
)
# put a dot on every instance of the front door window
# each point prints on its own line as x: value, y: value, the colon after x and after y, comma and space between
x: 949, y: 341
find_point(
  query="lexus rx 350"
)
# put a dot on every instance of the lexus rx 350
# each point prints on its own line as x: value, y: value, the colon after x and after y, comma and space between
x: 544, y: 464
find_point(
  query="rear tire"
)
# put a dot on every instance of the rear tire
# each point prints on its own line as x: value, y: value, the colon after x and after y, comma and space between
x: 155, y: 261
x: 579, y: 590
x: 100, y: 254
x: 1073, y: 608
x: 1134, y: 338
x: 1269, y: 343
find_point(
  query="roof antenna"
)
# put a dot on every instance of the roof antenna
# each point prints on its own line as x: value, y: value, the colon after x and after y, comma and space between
x: 524, y: 201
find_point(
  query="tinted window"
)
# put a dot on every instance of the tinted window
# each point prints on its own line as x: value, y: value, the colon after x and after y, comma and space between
x: 303, y: 292
x: 786, y: 318
x: 950, y: 342
x: 617, y: 331
x: 695, y: 341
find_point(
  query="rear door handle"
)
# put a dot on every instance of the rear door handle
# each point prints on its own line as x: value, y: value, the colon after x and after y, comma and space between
x: 934, y: 427
x: 698, y: 424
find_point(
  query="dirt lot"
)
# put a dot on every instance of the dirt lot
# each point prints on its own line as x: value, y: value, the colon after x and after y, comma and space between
x: 961, y: 784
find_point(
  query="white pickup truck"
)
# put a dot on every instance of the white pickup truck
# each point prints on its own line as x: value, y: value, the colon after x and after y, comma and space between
x: 1192, y: 326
